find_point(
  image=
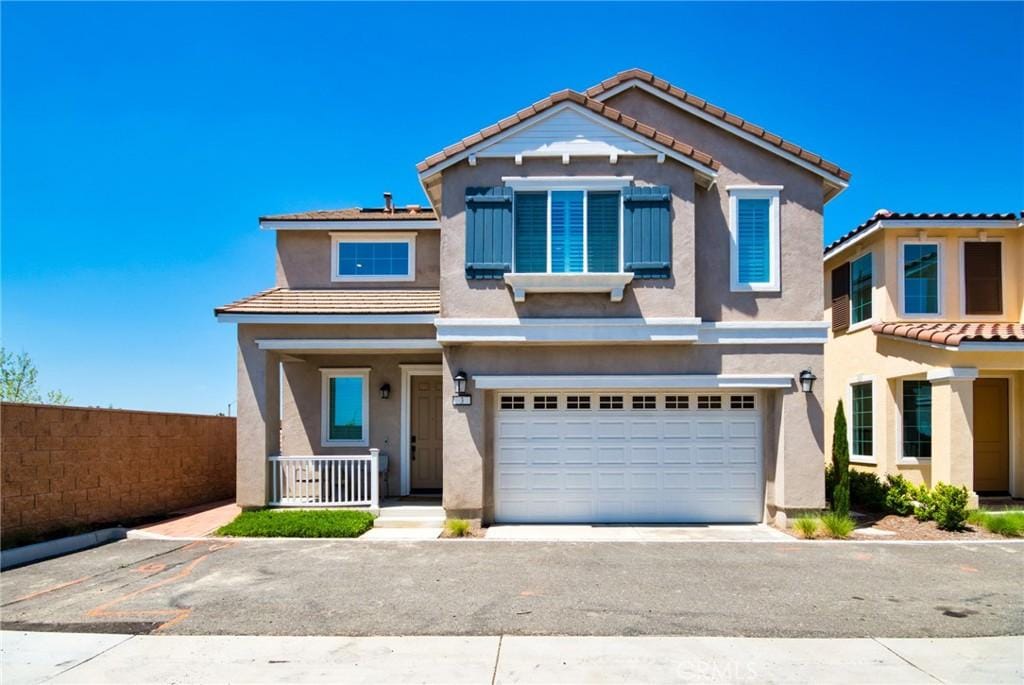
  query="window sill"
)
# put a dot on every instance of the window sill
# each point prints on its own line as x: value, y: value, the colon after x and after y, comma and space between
x: 914, y: 461
x: 863, y: 461
x: 860, y: 325
x: 612, y: 283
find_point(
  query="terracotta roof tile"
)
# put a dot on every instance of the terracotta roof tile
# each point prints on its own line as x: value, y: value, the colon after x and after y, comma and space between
x: 336, y: 301
x: 596, y: 106
x: 357, y: 214
x: 882, y: 214
x: 953, y: 333
x: 715, y: 111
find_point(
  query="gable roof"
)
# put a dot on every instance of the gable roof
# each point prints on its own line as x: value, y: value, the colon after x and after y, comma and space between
x: 433, y: 162
x: 715, y: 114
x: 883, y: 217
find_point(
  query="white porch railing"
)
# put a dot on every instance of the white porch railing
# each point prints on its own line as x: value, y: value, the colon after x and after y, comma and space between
x: 326, y: 481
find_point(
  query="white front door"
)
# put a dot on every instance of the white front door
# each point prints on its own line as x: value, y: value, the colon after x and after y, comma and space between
x: 628, y: 457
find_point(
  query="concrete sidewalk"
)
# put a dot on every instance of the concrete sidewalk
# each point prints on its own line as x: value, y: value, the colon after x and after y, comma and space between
x: 29, y: 658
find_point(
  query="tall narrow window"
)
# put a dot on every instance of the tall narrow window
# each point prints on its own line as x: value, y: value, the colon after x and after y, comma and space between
x: 603, y: 232
x: 754, y: 228
x: 917, y: 419
x: 920, y: 278
x: 345, y: 406
x: 983, y: 277
x: 566, y: 231
x: 531, y: 232
x: 860, y: 289
x: 863, y: 438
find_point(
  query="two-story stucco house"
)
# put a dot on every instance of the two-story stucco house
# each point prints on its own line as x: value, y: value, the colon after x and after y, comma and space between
x: 604, y: 315
x: 926, y: 347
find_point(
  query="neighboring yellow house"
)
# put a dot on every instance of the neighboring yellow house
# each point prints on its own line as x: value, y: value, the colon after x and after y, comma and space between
x: 926, y: 347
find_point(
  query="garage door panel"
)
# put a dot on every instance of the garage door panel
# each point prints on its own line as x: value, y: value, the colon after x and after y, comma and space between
x: 634, y: 462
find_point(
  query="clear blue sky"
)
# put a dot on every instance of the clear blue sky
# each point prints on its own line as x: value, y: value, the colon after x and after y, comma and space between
x: 141, y: 141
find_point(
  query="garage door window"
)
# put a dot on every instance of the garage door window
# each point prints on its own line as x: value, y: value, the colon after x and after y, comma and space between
x: 545, y: 402
x: 709, y: 401
x: 610, y: 402
x: 677, y: 402
x: 741, y: 402
x: 577, y: 402
x: 513, y: 402
x: 644, y: 402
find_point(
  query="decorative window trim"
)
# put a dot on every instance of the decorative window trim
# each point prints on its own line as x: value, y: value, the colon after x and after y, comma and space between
x: 901, y: 277
x: 873, y: 318
x: 750, y: 192
x: 389, y: 237
x: 902, y: 459
x: 863, y: 458
x: 961, y: 248
x: 325, y: 403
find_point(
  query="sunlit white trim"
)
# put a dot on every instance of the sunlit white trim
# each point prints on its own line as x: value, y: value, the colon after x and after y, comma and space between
x: 925, y: 224
x: 940, y: 255
x: 408, y: 371
x: 326, y: 374
x: 599, y: 382
x: 1004, y: 291
x: 347, y: 344
x: 876, y: 402
x: 612, y: 283
x: 407, y: 238
x: 327, y: 318
x: 771, y: 193
x: 567, y: 182
x: 952, y: 373
x: 381, y: 225
x: 763, y: 333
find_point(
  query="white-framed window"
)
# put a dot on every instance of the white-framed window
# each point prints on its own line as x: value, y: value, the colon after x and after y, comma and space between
x: 981, y: 277
x: 861, y: 290
x: 345, y: 407
x: 862, y: 425
x: 567, y: 225
x: 754, y: 219
x: 920, y: 264
x: 915, y: 421
x: 367, y: 257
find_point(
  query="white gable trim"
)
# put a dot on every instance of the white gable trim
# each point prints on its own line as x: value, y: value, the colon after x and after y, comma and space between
x: 656, y: 148
x: 840, y: 184
x: 346, y: 225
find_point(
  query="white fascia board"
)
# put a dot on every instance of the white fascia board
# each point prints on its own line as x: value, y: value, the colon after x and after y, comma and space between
x: 512, y: 130
x: 924, y: 225
x: 813, y: 168
x: 991, y: 347
x: 328, y: 318
x: 763, y: 333
x: 411, y: 225
x: 954, y: 373
x: 543, y: 330
x: 567, y: 182
x: 348, y: 344
x: 669, y: 382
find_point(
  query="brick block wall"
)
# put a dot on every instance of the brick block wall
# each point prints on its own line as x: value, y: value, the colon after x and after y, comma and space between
x: 67, y: 467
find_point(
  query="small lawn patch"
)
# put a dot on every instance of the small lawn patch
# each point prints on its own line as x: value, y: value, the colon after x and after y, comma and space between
x: 299, y: 523
x: 1008, y: 523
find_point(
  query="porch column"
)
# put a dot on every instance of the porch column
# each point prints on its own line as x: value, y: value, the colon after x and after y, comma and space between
x: 464, y: 444
x: 259, y: 419
x: 953, y: 427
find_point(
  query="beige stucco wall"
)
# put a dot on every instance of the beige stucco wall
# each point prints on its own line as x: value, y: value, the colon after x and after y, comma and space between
x: 793, y: 437
x: 488, y: 298
x: 304, y: 261
x: 861, y: 355
x: 802, y: 204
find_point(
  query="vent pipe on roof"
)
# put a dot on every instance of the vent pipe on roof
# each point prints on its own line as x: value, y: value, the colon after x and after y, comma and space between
x: 389, y: 208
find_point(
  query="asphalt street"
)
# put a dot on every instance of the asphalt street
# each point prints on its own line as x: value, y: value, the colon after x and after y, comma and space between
x: 478, y: 587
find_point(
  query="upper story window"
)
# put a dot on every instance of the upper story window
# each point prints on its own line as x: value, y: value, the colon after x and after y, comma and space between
x: 920, y: 277
x: 754, y: 232
x: 982, y: 264
x: 373, y: 257
x: 567, y: 231
x: 860, y: 289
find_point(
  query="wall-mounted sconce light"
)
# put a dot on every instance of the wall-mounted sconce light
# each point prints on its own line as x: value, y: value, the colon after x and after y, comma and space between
x: 385, y: 391
x: 461, y: 398
x: 807, y: 379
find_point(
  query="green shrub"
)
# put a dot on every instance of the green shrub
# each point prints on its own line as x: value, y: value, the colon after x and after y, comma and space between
x: 900, y: 496
x: 867, y: 491
x: 457, y: 528
x: 806, y: 526
x: 840, y: 464
x: 299, y: 523
x: 947, y: 506
x: 838, y: 525
x: 1008, y: 523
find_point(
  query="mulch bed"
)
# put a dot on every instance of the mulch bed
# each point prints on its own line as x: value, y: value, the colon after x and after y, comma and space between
x: 906, y: 528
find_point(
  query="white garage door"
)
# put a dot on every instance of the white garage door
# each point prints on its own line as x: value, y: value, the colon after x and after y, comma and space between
x: 618, y: 457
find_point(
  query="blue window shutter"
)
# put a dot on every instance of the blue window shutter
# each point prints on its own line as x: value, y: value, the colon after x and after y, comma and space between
x: 603, y: 232
x: 754, y: 241
x: 531, y: 232
x: 647, y: 231
x: 488, y: 232
x: 567, y: 231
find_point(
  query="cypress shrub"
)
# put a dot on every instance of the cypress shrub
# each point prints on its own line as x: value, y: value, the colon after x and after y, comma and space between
x: 840, y: 464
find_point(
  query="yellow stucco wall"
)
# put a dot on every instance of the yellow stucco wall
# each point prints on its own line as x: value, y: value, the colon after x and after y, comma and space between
x: 860, y: 355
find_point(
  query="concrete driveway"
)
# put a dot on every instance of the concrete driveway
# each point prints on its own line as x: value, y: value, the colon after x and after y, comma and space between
x: 479, y: 587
